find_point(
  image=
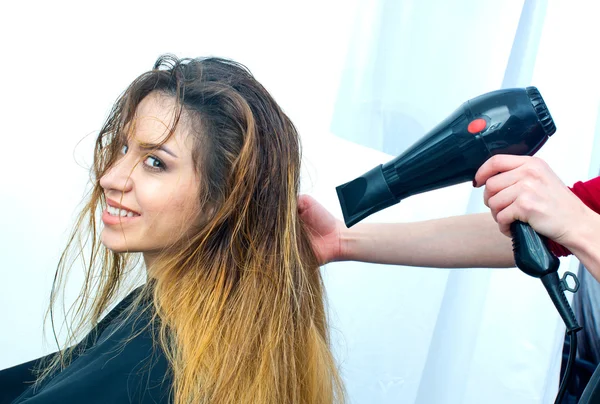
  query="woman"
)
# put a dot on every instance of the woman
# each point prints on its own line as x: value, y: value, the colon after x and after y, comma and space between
x: 196, y: 171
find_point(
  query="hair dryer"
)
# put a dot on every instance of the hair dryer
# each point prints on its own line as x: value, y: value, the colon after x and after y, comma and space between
x: 512, y: 121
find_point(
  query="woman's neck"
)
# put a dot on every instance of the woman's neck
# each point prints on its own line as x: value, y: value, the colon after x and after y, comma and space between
x: 149, y: 261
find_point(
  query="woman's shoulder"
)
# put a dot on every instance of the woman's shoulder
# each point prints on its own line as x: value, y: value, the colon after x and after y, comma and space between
x: 121, y: 362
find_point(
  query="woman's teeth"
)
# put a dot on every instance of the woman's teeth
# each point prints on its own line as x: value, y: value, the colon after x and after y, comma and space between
x: 120, y: 212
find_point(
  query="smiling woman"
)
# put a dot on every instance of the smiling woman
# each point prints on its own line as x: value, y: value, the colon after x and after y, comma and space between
x: 152, y: 199
x: 197, y: 171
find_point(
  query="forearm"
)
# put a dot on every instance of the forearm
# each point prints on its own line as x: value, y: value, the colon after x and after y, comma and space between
x: 468, y: 241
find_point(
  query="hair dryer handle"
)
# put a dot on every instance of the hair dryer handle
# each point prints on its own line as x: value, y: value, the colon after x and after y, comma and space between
x: 533, y: 257
x: 531, y: 254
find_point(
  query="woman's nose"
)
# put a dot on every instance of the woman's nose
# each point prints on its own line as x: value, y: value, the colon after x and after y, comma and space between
x: 119, y: 177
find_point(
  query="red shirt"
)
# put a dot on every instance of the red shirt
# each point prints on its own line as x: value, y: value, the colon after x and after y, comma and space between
x: 589, y: 193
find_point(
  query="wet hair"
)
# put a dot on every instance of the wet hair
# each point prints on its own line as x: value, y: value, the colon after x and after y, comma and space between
x: 240, y: 302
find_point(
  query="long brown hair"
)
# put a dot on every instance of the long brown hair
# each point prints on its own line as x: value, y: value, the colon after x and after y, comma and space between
x: 240, y: 303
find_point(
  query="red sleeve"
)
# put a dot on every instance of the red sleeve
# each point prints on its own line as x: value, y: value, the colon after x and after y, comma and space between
x: 589, y: 193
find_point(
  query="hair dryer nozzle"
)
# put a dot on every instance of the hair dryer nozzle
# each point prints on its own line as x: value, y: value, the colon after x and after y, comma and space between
x: 364, y: 196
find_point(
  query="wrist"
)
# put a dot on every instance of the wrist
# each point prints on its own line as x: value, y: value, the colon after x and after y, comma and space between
x: 585, y: 237
x: 343, y: 241
x: 354, y: 242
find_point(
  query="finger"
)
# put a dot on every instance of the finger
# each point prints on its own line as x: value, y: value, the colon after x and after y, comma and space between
x: 503, y: 199
x: 486, y: 197
x: 499, y: 182
x: 505, y: 229
x: 507, y: 216
x: 498, y: 164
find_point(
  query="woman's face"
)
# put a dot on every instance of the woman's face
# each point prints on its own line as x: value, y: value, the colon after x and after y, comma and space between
x: 152, y: 199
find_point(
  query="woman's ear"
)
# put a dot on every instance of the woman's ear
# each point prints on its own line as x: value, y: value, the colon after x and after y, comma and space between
x: 209, y: 211
x: 205, y: 212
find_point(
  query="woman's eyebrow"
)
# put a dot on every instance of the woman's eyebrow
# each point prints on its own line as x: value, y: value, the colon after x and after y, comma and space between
x: 149, y: 146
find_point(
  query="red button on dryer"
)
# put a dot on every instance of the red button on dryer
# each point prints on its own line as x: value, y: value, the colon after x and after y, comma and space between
x: 476, y: 125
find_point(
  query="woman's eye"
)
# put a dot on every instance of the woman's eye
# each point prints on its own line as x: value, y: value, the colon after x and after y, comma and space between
x: 124, y: 149
x: 154, y: 163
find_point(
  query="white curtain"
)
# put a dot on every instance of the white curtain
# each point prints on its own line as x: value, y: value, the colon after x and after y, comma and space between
x: 431, y: 336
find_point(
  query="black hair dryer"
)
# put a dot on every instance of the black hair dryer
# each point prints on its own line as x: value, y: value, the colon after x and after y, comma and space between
x: 511, y: 121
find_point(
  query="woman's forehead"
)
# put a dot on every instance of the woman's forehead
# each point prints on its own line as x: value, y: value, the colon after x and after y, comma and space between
x: 153, y: 122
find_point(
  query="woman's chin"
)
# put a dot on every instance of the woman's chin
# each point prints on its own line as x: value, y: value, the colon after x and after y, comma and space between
x: 115, y: 249
x: 113, y: 244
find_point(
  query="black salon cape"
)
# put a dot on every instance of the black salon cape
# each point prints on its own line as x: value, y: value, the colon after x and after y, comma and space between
x: 107, y: 371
